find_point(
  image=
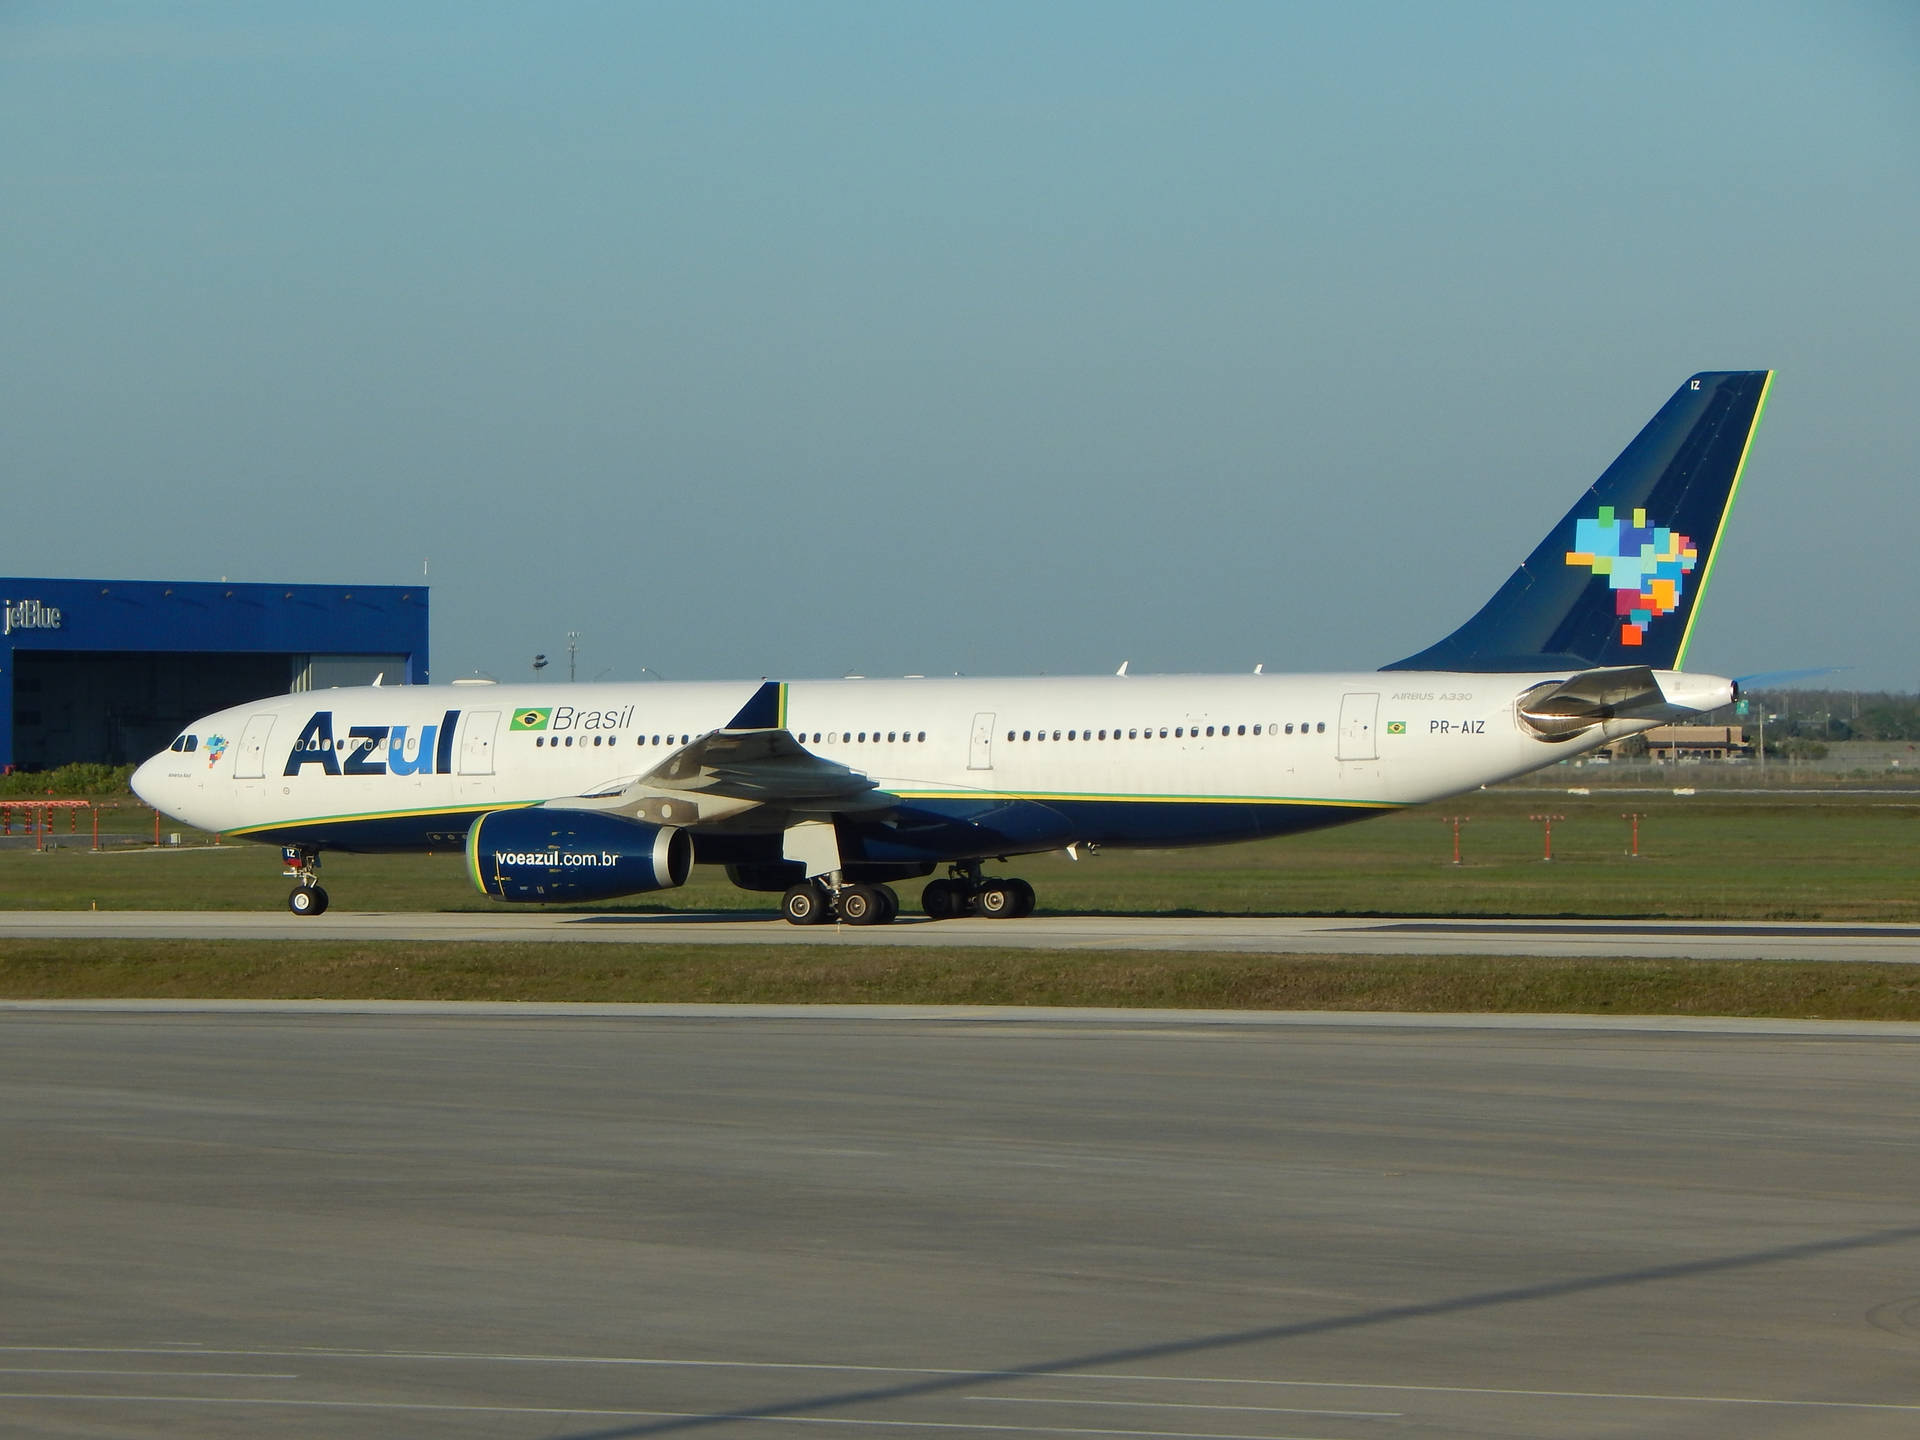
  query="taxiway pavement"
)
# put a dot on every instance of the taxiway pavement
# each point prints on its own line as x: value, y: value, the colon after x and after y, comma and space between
x: 460, y: 1221
x: 1703, y: 940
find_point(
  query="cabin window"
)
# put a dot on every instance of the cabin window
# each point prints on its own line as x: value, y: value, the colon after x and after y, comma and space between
x: 1289, y: 727
x: 1256, y: 729
x: 569, y: 742
x: 921, y: 738
x: 1209, y: 732
x: 538, y: 741
x: 891, y: 737
x: 1321, y: 728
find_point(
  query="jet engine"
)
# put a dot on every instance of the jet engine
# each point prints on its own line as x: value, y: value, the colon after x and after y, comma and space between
x: 554, y: 854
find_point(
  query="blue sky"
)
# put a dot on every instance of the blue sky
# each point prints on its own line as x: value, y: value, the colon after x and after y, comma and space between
x: 803, y: 339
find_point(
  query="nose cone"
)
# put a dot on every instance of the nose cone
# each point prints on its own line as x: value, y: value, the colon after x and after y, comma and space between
x: 150, y: 781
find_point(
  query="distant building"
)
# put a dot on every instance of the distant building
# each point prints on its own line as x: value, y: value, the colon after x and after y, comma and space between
x: 1688, y: 742
x: 110, y: 670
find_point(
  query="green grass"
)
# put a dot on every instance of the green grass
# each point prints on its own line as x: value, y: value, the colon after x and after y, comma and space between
x: 741, y: 974
x: 1824, y: 855
x: 1827, y: 855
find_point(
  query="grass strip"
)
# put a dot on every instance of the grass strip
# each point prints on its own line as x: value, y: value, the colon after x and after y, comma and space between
x: 760, y: 974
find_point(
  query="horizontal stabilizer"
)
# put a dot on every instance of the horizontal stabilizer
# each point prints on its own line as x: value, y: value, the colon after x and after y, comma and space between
x: 1561, y: 709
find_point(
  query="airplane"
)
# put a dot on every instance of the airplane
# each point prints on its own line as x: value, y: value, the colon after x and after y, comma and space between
x: 831, y: 792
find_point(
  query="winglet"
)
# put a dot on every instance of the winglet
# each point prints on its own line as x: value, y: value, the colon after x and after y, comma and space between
x: 767, y: 710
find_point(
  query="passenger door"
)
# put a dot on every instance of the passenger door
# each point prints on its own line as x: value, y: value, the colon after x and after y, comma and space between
x: 980, y: 750
x: 476, y: 742
x: 1359, y: 716
x: 250, y: 761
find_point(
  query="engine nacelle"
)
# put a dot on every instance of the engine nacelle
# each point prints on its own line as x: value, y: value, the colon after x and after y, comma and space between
x: 542, y: 854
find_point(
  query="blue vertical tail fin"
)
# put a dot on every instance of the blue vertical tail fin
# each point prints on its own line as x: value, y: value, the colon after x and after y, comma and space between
x: 1619, y: 580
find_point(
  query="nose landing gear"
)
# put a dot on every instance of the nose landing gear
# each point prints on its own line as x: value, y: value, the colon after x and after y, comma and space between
x: 307, y: 897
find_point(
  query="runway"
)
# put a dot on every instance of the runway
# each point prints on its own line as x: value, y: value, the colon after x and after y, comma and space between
x: 462, y: 1221
x: 1703, y: 940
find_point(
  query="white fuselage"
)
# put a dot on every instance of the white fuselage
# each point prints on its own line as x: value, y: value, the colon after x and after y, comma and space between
x: 398, y: 767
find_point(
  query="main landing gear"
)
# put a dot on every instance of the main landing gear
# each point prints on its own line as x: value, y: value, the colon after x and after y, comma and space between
x: 306, y: 898
x: 816, y: 902
x: 967, y: 892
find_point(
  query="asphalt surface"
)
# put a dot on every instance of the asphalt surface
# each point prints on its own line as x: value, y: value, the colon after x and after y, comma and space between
x: 1250, y: 935
x: 319, y: 1221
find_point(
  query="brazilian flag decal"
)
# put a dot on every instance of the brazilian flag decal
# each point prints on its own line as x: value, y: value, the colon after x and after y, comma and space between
x: 531, y: 719
x: 1396, y: 727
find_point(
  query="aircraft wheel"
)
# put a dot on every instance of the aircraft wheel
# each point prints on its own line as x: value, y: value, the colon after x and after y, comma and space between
x: 996, y: 900
x: 1023, y: 898
x: 889, y: 902
x: 804, y: 905
x: 943, y: 900
x: 862, y: 905
x: 307, y: 900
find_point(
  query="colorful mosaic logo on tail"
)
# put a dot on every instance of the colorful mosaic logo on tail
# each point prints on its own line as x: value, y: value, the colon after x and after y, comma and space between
x: 1646, y: 565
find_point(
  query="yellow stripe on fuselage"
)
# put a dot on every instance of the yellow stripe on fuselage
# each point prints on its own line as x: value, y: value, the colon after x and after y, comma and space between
x: 246, y: 830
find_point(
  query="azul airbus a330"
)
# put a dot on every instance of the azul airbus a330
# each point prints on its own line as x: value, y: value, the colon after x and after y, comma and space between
x: 829, y: 792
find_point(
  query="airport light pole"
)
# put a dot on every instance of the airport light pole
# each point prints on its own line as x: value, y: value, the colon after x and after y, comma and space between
x: 1456, y: 821
x: 573, y: 651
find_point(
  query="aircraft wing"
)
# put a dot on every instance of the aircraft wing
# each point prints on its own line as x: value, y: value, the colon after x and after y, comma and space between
x: 767, y: 766
x: 752, y: 761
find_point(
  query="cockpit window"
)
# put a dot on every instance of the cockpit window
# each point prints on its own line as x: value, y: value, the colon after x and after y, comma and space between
x: 185, y: 744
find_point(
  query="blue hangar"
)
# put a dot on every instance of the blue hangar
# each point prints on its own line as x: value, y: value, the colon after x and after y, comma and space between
x: 111, y: 670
